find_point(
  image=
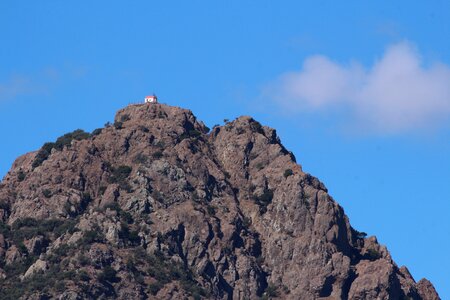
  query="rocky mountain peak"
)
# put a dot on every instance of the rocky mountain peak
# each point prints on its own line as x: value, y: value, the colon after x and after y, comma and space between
x: 156, y: 205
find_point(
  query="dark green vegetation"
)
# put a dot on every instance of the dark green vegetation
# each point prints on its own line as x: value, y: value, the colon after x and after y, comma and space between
x: 55, y: 278
x: 264, y: 199
x: 21, y: 176
x: 192, y: 133
x: 287, y: 173
x: 164, y: 271
x: 28, y: 228
x: 372, y: 254
x: 270, y: 292
x: 118, y: 125
x: 108, y: 274
x: 157, y: 267
x: 119, y: 175
x: 61, y: 142
x: 25, y: 229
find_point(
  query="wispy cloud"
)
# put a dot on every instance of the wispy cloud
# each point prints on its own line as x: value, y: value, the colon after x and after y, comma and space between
x: 40, y: 83
x: 15, y: 86
x: 397, y: 94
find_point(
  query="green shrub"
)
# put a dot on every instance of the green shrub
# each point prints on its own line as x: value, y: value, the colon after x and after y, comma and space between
x: 155, y: 287
x: 157, y: 155
x: 59, y: 227
x: 118, y: 125
x: 125, y: 117
x: 264, y: 199
x: 120, y: 174
x: 123, y: 215
x: 193, y: 288
x: 360, y: 234
x: 161, y: 115
x: 92, y: 236
x: 108, y: 274
x: 102, y: 189
x: 287, y: 173
x: 247, y: 222
x: 25, y: 222
x: 67, y: 139
x: 83, y: 260
x: 192, y: 133
x: 43, y: 154
x: 271, y: 292
x: 160, y: 144
x: 165, y: 271
x: 62, y: 141
x: 256, y: 126
x: 129, y: 236
x: 5, y: 205
x: 28, y: 228
x: 60, y: 252
x: 373, y: 254
x: 22, y: 249
x: 47, y: 193
x: 85, y: 199
x: 140, y: 158
x: 5, y: 230
x: 21, y: 176
x: 211, y: 210
x: 240, y: 130
x: 96, y: 131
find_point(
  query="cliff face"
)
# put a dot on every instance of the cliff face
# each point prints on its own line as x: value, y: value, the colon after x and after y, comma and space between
x: 154, y: 206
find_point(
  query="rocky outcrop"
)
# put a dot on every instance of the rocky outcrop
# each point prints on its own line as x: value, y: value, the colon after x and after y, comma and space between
x: 158, y: 206
x: 426, y: 290
x: 39, y: 266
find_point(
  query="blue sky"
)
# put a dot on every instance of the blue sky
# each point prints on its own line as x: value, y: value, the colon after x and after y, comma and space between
x: 358, y: 91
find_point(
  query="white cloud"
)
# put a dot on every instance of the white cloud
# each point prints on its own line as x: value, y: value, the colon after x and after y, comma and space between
x: 397, y: 94
x: 31, y: 84
x: 15, y: 86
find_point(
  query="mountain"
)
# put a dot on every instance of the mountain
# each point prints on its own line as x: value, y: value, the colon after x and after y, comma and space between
x: 158, y: 206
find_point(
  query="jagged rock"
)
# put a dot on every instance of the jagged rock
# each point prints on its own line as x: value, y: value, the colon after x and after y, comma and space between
x: 375, y: 280
x: 426, y: 290
x: 35, y: 245
x: 100, y: 255
x: 40, y: 266
x: 75, y: 238
x: 36, y: 296
x: 407, y: 282
x: 154, y: 206
x: 112, y: 232
x: 12, y: 255
x: 69, y: 295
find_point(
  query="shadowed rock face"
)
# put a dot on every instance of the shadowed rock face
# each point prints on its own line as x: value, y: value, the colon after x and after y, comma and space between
x: 157, y: 207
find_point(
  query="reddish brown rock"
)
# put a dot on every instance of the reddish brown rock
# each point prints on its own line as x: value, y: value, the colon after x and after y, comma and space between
x: 426, y: 290
x: 12, y: 255
x: 154, y: 206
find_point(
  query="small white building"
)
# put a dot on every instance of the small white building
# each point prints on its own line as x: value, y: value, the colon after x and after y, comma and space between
x: 151, y: 99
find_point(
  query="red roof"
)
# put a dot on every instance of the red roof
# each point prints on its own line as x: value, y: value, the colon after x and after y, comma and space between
x: 150, y: 96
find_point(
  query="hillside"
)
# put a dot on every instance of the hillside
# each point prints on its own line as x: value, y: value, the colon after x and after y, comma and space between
x: 158, y: 206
